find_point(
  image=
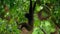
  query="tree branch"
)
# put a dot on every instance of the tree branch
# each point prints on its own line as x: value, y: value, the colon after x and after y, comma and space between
x: 43, y: 30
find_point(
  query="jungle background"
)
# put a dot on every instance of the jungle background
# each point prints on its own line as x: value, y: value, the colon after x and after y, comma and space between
x: 15, y: 10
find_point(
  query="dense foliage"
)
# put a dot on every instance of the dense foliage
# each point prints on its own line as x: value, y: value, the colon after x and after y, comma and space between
x: 14, y: 10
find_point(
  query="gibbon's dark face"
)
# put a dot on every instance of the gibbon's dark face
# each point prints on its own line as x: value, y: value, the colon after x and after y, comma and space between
x: 27, y: 15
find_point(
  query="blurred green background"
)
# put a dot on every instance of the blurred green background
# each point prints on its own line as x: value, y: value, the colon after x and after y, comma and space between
x: 12, y: 10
